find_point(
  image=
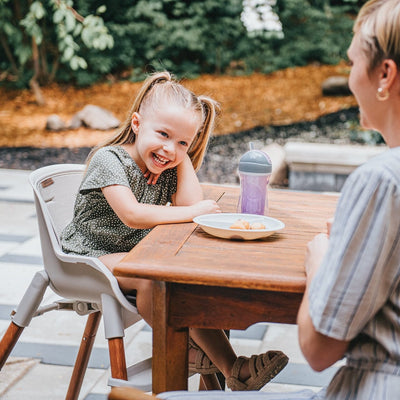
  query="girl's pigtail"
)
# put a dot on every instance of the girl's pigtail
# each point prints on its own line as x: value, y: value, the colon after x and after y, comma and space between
x: 197, y: 150
x: 158, y: 77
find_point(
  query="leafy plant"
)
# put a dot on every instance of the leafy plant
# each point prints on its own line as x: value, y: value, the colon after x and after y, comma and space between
x: 50, y: 40
x: 39, y: 36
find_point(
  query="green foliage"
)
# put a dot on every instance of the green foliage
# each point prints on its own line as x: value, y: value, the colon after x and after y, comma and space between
x: 314, y: 31
x: 128, y: 38
x: 38, y: 36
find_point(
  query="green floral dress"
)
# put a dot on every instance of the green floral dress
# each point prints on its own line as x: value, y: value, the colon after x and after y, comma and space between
x: 95, y: 229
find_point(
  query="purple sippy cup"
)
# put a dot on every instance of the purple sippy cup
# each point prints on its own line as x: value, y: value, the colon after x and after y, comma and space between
x: 254, y: 171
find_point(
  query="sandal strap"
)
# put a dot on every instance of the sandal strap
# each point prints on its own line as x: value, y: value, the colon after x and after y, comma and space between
x: 202, y: 364
x: 262, y: 368
x: 237, y: 365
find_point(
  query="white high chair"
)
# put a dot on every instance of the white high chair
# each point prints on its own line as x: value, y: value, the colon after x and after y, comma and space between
x: 85, y: 284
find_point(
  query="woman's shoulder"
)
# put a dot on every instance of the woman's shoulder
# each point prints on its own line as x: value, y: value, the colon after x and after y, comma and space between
x: 386, y: 165
x: 379, y: 173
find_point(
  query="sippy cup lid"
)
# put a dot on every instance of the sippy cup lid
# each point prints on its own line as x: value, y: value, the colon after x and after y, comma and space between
x: 255, y: 162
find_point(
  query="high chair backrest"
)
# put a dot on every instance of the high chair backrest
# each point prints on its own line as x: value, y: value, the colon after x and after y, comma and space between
x: 58, y: 191
x: 71, y: 276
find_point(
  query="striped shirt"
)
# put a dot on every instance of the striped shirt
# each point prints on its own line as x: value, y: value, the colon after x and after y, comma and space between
x: 355, y: 295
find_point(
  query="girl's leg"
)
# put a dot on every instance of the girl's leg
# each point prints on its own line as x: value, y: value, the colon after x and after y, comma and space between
x: 141, y: 288
x: 216, y: 345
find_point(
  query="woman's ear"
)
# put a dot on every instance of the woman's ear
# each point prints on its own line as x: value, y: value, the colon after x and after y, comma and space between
x: 388, y: 74
x: 135, y: 122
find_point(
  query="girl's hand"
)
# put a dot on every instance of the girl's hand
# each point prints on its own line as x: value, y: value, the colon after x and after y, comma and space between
x: 206, y: 207
x: 151, y: 178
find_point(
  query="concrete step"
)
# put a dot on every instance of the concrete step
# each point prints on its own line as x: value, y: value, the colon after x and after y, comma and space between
x: 320, y: 166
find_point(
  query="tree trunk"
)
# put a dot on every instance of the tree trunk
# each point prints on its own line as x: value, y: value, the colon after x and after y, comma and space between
x: 33, y: 83
x: 9, y: 55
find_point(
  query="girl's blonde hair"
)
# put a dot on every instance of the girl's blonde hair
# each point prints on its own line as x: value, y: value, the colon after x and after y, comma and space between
x: 161, y: 88
x: 378, y: 27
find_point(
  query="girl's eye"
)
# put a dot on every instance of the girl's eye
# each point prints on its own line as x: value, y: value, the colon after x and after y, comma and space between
x: 163, y: 134
x: 183, y: 143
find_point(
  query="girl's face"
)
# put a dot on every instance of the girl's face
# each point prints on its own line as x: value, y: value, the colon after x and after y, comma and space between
x: 364, y: 86
x: 163, y: 137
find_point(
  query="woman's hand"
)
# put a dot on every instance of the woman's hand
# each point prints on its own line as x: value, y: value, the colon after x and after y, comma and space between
x: 329, y: 225
x: 316, y: 250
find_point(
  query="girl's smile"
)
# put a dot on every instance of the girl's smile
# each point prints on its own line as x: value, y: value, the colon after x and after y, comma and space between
x: 162, y: 161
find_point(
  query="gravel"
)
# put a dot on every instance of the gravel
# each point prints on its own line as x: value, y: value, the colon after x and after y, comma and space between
x: 221, y: 160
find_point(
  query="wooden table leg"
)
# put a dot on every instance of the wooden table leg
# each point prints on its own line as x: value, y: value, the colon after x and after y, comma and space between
x: 170, y: 346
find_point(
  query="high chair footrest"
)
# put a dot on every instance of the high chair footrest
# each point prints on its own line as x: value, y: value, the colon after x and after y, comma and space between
x: 139, y: 376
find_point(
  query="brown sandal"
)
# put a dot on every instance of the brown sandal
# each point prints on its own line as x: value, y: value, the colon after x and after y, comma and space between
x: 202, y: 364
x: 263, y: 368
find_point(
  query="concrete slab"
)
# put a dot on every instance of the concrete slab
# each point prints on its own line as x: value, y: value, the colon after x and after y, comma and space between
x: 14, y: 369
x: 322, y: 166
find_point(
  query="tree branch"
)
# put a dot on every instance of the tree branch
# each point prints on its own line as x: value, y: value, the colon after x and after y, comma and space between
x: 75, y: 13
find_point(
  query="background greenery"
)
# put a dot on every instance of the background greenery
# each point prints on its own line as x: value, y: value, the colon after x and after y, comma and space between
x: 84, y: 41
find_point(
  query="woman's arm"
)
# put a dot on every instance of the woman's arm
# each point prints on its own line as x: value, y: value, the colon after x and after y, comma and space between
x: 141, y: 216
x: 319, y: 350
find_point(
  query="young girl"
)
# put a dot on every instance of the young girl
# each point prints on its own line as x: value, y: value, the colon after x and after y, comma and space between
x: 127, y: 186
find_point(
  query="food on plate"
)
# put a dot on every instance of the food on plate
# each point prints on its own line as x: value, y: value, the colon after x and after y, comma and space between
x: 257, y: 225
x: 240, y: 224
x: 243, y: 224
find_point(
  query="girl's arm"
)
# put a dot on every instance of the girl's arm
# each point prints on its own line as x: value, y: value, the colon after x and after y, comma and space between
x: 141, y: 216
x: 188, y: 189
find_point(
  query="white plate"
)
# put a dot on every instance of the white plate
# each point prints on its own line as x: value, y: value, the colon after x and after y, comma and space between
x: 219, y: 225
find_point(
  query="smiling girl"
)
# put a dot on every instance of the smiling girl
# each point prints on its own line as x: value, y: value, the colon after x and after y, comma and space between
x: 128, y: 182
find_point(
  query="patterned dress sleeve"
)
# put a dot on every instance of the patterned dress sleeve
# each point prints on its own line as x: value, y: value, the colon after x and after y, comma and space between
x: 105, y: 169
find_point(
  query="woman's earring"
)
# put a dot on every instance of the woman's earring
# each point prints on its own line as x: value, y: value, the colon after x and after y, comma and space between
x: 382, y: 94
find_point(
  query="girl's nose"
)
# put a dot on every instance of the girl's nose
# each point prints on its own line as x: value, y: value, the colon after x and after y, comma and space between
x: 169, y: 148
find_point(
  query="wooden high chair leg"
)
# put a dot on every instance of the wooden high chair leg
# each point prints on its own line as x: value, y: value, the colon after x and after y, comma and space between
x: 82, y: 358
x: 8, y: 342
x: 117, y: 358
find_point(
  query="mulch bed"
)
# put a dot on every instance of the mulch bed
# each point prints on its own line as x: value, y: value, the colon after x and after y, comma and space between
x: 223, y: 153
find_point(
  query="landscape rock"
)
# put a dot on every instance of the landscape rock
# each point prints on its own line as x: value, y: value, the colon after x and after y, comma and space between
x: 96, y: 117
x: 75, y: 122
x: 336, y: 86
x: 55, y: 123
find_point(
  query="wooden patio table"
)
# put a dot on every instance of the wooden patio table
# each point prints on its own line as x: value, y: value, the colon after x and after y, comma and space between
x: 206, y: 282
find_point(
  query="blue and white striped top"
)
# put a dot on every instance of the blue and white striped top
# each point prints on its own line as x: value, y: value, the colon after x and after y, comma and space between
x: 355, y: 294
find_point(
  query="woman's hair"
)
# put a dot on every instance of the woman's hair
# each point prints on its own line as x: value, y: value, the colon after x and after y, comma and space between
x: 378, y: 27
x: 159, y: 89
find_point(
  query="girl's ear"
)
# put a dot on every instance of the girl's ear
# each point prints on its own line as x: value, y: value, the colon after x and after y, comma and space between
x: 135, y: 122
